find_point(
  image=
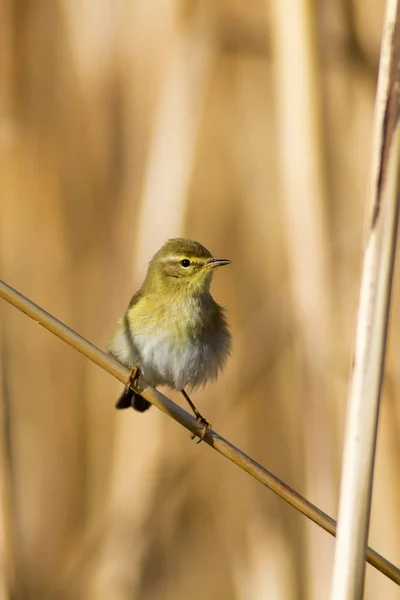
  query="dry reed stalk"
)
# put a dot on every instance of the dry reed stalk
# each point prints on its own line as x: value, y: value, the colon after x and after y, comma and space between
x: 174, y: 141
x: 268, y: 566
x: 372, y: 326
x: 304, y: 197
x: 161, y: 216
x: 8, y: 580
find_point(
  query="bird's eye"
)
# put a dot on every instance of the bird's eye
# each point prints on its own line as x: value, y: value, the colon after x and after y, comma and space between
x: 185, y: 262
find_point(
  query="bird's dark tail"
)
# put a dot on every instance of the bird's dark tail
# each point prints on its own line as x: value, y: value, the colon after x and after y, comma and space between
x: 129, y: 398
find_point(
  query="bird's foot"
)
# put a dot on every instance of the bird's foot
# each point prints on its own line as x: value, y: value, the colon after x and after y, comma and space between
x: 201, y: 421
x: 126, y: 399
x: 133, y: 377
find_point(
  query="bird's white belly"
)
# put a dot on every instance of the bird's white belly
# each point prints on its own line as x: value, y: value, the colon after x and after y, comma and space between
x: 164, y: 361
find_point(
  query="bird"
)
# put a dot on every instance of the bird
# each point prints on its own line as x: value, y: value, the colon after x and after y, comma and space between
x: 173, y: 332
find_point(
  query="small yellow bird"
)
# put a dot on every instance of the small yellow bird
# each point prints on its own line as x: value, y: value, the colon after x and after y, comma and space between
x: 173, y: 330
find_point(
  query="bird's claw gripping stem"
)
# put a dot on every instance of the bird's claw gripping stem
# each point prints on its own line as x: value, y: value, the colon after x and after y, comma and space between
x: 133, y: 377
x: 201, y: 421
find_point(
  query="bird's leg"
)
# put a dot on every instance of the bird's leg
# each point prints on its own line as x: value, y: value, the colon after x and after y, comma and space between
x: 194, y: 409
x: 198, y: 416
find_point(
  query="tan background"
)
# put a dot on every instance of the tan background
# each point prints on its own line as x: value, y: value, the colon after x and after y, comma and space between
x: 246, y: 126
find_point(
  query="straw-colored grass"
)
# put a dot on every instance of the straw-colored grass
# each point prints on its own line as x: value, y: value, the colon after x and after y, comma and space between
x: 89, y: 128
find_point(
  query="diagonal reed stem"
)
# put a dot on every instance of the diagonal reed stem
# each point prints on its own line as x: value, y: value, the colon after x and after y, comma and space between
x: 372, y: 325
x: 211, y: 438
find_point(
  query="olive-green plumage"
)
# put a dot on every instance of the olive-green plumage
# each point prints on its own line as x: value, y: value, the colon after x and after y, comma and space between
x: 173, y: 330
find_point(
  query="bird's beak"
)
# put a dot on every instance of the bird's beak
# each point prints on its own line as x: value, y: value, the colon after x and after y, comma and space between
x: 217, y: 262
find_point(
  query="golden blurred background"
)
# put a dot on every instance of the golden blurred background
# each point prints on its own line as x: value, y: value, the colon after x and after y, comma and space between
x: 246, y: 126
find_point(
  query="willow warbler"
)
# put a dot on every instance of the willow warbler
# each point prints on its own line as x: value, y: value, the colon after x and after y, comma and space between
x: 173, y: 330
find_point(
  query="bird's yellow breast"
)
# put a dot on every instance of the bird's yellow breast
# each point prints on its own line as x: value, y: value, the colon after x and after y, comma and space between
x: 180, y: 344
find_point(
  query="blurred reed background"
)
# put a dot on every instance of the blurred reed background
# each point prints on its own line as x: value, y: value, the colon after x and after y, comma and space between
x: 246, y: 126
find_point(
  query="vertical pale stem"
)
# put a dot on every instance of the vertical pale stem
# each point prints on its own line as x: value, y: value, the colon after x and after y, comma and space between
x: 7, y: 517
x: 373, y: 315
x: 174, y: 141
x: 162, y: 211
x: 300, y: 152
x: 304, y: 199
x: 268, y: 567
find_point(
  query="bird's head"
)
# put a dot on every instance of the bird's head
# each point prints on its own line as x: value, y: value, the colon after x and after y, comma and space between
x: 182, y: 266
